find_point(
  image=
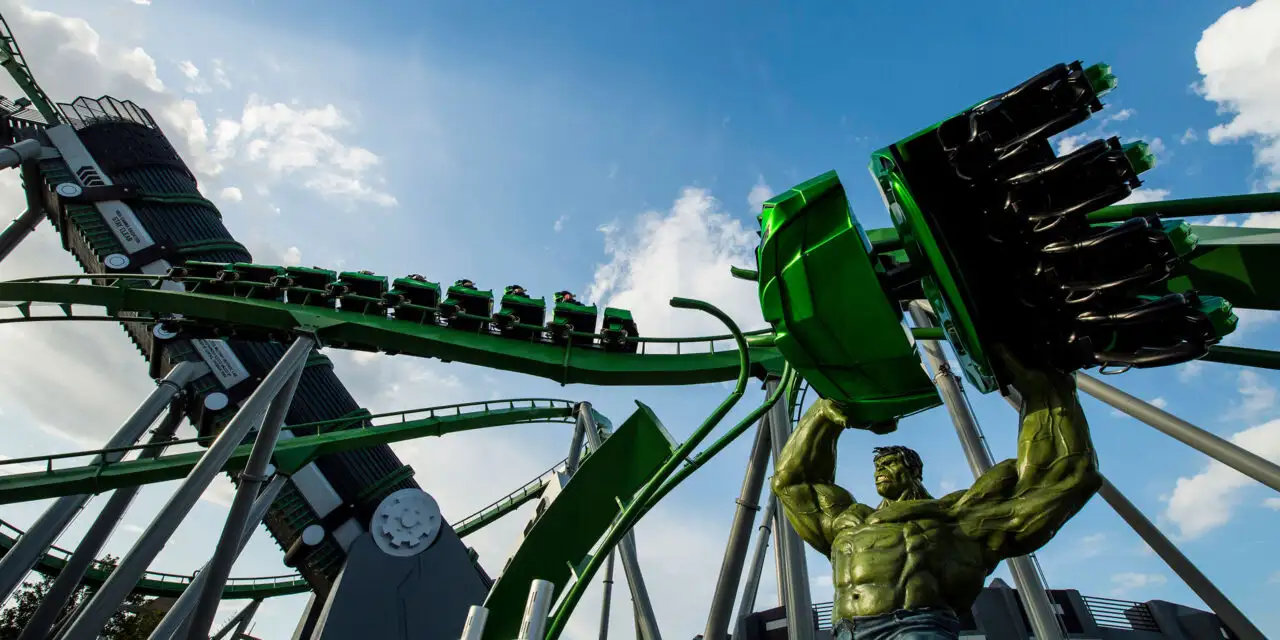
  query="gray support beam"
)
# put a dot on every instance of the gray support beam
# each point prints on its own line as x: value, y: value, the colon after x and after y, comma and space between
x: 20, y: 559
x: 251, y: 480
x: 735, y: 552
x: 626, y: 546
x: 19, y: 152
x: 752, y: 585
x: 795, y: 572
x: 1181, y: 565
x: 64, y: 586
x: 1223, y: 451
x: 608, y: 594
x: 1031, y: 590
x: 575, y: 447
x: 473, y: 628
x: 179, y: 611
x: 240, y: 622
x: 23, y: 225
x: 89, y: 623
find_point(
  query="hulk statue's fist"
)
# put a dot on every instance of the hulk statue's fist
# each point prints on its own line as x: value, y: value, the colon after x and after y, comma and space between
x: 833, y: 412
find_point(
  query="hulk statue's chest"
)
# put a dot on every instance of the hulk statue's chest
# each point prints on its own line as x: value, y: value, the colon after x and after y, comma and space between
x: 909, y: 523
x: 916, y: 537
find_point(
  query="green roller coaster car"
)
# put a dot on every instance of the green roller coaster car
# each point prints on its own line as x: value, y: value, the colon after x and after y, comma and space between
x: 823, y: 290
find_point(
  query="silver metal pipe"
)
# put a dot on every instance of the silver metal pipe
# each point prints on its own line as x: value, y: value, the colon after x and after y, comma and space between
x: 23, y: 225
x: 240, y: 622
x: 799, y: 602
x: 1181, y: 565
x: 608, y: 594
x: 64, y: 586
x: 19, y: 152
x: 89, y: 623
x: 178, y: 613
x: 752, y: 586
x: 28, y: 549
x: 534, y: 624
x: 251, y: 480
x: 473, y: 628
x: 575, y: 446
x: 626, y: 546
x: 1031, y: 590
x: 1223, y: 451
x: 735, y: 552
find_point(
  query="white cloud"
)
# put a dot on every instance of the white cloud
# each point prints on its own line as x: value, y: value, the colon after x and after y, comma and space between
x: 1144, y: 194
x: 559, y: 224
x: 1092, y: 545
x: 1272, y: 503
x: 1119, y: 116
x: 760, y: 193
x: 1188, y: 136
x: 189, y: 69
x: 1239, y: 60
x: 142, y: 2
x: 685, y: 251
x: 1261, y: 220
x: 1257, y: 398
x: 1126, y: 582
x: 220, y: 75
x: 1067, y: 144
x: 1190, y: 370
x: 231, y: 194
x: 195, y: 84
x: 292, y: 257
x: 1206, y: 501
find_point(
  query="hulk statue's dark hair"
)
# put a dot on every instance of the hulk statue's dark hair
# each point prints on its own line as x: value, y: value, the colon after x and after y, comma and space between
x: 909, y: 458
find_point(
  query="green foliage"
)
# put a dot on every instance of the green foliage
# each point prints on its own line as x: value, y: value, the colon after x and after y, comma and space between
x: 130, y: 623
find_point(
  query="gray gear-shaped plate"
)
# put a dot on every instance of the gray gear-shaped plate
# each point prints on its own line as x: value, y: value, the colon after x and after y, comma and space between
x: 406, y: 522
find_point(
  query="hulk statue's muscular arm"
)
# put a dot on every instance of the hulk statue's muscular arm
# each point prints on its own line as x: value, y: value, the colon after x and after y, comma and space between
x: 1017, y: 506
x: 804, y: 477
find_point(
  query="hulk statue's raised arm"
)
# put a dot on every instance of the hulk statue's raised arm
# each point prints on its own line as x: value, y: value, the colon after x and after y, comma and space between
x: 915, y: 560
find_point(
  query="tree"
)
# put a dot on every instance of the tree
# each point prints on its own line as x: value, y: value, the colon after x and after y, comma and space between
x: 131, y: 622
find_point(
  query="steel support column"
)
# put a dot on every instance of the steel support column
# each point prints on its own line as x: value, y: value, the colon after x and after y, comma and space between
x: 608, y: 594
x: 89, y: 623
x: 20, y: 559
x: 1223, y: 451
x: 752, y: 585
x: 735, y: 552
x: 64, y: 586
x: 1031, y: 590
x: 251, y: 480
x: 178, y: 613
x: 626, y: 546
x: 23, y: 225
x: 795, y: 573
x: 240, y: 623
x: 1181, y: 565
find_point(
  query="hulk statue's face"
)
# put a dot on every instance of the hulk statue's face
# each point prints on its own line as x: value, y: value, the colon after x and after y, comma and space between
x: 893, y: 477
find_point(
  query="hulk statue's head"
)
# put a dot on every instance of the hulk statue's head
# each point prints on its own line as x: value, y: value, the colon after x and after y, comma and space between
x: 899, y: 474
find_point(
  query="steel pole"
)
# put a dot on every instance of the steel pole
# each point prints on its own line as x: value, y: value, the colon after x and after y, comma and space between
x: 608, y: 593
x: 174, y: 619
x: 251, y: 479
x: 752, y: 586
x: 473, y: 628
x: 239, y: 622
x: 41, y: 622
x: 799, y: 602
x: 735, y: 552
x: 28, y: 549
x: 89, y: 623
x: 1223, y: 451
x: 1181, y: 565
x: 1033, y: 593
x: 575, y: 447
x: 626, y: 546
x: 23, y: 225
x: 534, y: 624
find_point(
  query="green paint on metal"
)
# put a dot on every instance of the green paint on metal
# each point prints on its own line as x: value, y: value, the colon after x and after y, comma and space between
x: 290, y: 455
x: 158, y: 584
x: 1239, y: 264
x: 1244, y: 357
x: 564, y: 365
x: 823, y: 294
x: 565, y: 533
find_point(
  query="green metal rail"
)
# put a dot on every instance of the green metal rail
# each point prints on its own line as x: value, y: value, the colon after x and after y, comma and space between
x: 155, y: 583
x: 290, y: 455
x: 123, y: 300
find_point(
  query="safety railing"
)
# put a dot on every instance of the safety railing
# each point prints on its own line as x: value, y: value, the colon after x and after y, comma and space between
x: 1120, y: 614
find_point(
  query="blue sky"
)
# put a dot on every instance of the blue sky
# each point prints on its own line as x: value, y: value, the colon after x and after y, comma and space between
x: 617, y: 151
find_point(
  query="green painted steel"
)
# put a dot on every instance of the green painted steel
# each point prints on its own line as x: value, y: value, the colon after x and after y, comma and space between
x: 824, y: 294
x: 156, y: 583
x: 1239, y: 264
x: 257, y: 319
x: 290, y: 455
x: 564, y: 534
x: 1244, y: 357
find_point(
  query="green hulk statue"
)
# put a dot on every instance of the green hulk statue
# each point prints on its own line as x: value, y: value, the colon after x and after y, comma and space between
x: 901, y: 570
